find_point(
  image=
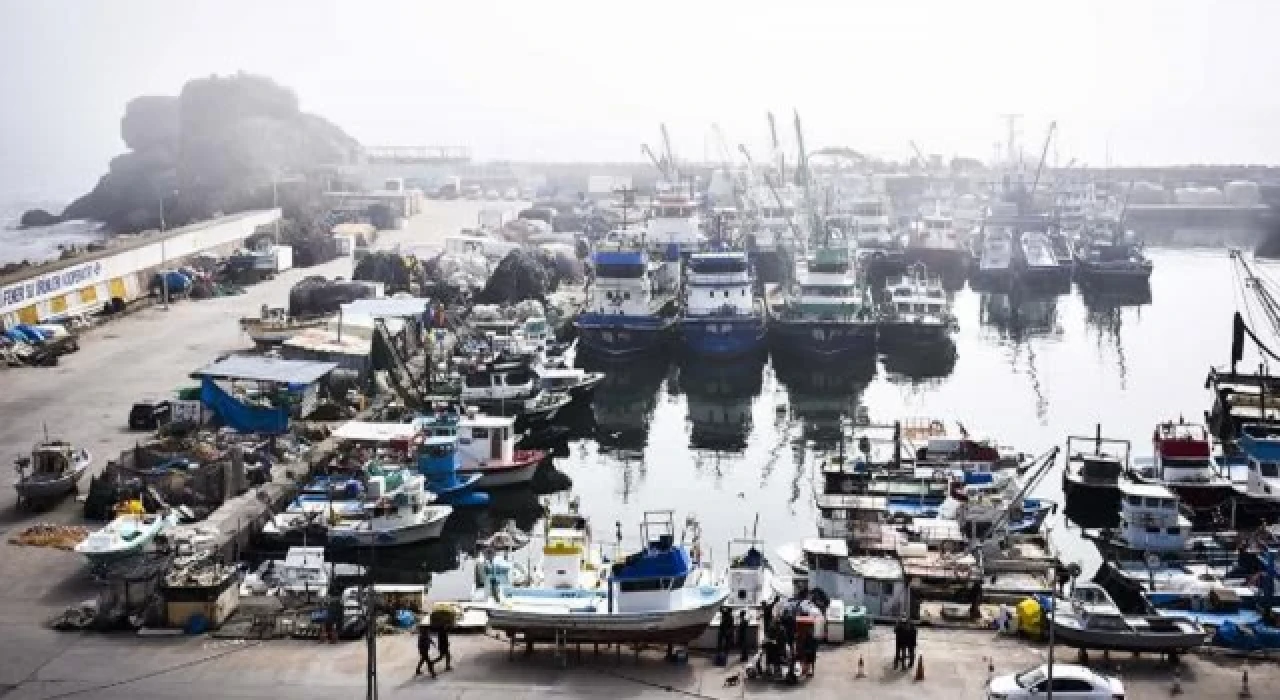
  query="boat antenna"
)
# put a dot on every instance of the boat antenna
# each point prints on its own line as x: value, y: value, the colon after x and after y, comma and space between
x: 1044, y: 152
x: 755, y: 525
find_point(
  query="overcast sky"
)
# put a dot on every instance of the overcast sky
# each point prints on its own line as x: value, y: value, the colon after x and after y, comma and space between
x: 1162, y: 82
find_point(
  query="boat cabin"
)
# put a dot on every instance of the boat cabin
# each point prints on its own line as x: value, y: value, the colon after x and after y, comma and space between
x: 1184, y: 454
x: 566, y: 553
x: 851, y: 517
x: 653, y: 579
x: 1261, y: 446
x: 500, y: 381
x: 1100, y: 468
x: 748, y: 578
x: 674, y: 221
x: 1150, y: 520
x: 876, y: 583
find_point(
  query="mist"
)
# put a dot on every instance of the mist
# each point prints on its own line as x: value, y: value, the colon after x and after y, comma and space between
x: 1144, y: 83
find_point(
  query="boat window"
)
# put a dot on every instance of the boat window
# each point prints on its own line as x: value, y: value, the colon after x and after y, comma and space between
x: 1152, y: 502
x: 920, y: 308
x: 1174, y: 530
x: 1270, y: 470
x: 518, y: 377
x: 935, y: 308
x: 1169, y: 504
x: 1107, y: 622
x: 1153, y: 530
x: 479, y: 433
x: 651, y: 584
x: 1134, y: 500
x: 620, y: 271
x: 626, y: 295
x: 477, y: 380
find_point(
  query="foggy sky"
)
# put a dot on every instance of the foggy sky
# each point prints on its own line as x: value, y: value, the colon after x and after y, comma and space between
x: 1162, y: 82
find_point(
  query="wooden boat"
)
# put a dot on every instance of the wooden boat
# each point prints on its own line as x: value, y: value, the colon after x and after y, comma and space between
x: 1089, y: 619
x: 52, y: 471
x: 274, y: 326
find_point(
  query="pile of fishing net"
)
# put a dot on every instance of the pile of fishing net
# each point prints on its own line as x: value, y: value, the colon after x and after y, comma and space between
x: 64, y: 537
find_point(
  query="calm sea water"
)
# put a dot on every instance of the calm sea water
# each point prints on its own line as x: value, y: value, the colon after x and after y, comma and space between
x: 736, y: 444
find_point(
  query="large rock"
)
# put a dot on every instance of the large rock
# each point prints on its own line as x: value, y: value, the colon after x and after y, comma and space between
x: 217, y: 147
x: 33, y: 218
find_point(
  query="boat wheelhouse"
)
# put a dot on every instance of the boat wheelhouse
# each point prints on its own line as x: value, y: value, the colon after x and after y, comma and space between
x: 828, y: 314
x: 876, y: 583
x: 721, y: 315
x: 937, y: 244
x: 1095, y: 471
x: 674, y: 222
x: 1184, y: 462
x: 624, y: 313
x: 916, y: 312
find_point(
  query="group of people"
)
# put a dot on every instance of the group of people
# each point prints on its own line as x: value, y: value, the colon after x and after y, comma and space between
x: 425, y: 643
x: 781, y: 647
x: 904, y: 644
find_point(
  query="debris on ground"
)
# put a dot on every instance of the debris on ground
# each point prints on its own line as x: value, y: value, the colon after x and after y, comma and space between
x: 64, y: 537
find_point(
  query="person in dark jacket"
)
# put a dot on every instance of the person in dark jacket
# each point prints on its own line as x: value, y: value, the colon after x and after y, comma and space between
x: 442, y: 641
x: 899, y: 644
x: 809, y: 654
x: 909, y: 653
x: 724, y: 640
x: 742, y: 635
x: 766, y: 613
x: 424, y: 651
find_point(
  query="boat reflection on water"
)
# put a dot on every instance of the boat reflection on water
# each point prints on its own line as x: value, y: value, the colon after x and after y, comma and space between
x: 1105, y: 311
x: 823, y: 399
x: 719, y: 398
x: 922, y: 364
x: 624, y: 403
x: 1020, y: 315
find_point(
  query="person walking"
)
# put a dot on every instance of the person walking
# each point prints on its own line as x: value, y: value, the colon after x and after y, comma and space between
x: 809, y: 654
x: 724, y: 640
x: 899, y: 643
x: 909, y: 653
x: 442, y: 641
x: 742, y: 635
x: 766, y: 612
x: 424, y: 651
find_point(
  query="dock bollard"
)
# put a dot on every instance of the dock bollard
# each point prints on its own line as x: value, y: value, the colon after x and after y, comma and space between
x: 1244, y: 684
x: 862, y: 673
x: 919, y: 669
x: 1177, y: 682
x: 991, y: 666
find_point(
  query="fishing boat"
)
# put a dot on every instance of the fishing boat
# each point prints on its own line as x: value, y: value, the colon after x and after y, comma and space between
x: 437, y: 460
x: 1039, y: 265
x: 274, y: 326
x: 649, y: 598
x: 404, y: 514
x: 52, y: 471
x: 125, y: 537
x: 1089, y: 619
x: 828, y: 316
x: 625, y: 313
x: 749, y: 577
x: 1111, y: 259
x: 721, y: 315
x: 1150, y: 522
x: 1184, y: 462
x: 1092, y: 479
x: 916, y: 313
x: 511, y: 387
x: 938, y: 245
x: 876, y: 583
x: 577, y: 383
x: 879, y: 250
x: 486, y: 447
x: 674, y: 224
x: 1257, y: 495
x: 995, y: 259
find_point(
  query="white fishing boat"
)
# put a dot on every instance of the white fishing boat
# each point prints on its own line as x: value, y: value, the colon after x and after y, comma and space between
x: 1089, y: 619
x: 127, y: 536
x: 486, y: 447
x: 877, y: 583
x: 995, y: 263
x: 649, y: 597
x: 405, y: 515
x: 750, y: 576
x: 51, y: 472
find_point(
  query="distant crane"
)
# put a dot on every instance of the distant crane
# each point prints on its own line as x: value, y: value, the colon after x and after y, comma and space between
x: 657, y: 163
x: 1044, y: 153
x: 924, y: 162
x: 741, y: 189
x: 795, y: 231
x: 781, y: 160
x: 674, y: 174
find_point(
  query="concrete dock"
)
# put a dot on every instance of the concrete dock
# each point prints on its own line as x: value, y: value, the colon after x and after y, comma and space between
x: 146, y: 355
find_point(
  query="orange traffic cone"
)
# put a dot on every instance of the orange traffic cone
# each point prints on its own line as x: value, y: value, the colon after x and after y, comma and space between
x: 862, y: 673
x: 920, y: 668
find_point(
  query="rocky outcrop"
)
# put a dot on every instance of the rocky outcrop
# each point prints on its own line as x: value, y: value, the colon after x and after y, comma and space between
x: 215, y: 148
x: 33, y: 218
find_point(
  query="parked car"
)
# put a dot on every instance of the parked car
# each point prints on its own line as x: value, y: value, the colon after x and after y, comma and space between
x: 1070, y: 682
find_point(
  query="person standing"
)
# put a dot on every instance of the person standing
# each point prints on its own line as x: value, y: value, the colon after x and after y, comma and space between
x: 909, y: 653
x: 442, y: 641
x: 899, y: 643
x: 724, y: 638
x: 766, y: 613
x: 424, y: 651
x: 809, y: 654
x: 743, y: 628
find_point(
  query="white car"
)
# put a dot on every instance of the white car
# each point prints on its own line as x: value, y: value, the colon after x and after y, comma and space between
x: 1070, y: 682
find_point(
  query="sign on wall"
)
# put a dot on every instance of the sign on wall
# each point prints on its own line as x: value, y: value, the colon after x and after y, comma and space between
x: 38, y: 288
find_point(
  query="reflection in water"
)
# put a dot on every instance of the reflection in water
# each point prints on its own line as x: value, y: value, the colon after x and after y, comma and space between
x: 1104, y: 315
x: 623, y: 406
x: 921, y: 365
x: 823, y: 397
x: 1018, y: 317
x: 719, y: 398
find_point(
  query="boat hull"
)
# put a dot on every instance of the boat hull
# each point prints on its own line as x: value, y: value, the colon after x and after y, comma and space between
x: 948, y: 262
x: 823, y: 340
x: 624, y: 336
x: 1091, y: 505
x: 520, y: 471
x: 894, y: 334
x: 723, y: 336
x: 421, y: 532
x: 666, y: 627
x: 1156, y: 643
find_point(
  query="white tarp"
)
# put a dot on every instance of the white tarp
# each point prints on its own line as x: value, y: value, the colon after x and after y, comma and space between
x: 374, y: 432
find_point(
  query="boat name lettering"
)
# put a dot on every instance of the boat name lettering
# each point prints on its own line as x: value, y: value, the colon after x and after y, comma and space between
x: 49, y: 283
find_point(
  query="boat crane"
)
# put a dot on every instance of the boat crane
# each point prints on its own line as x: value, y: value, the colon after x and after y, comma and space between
x: 674, y: 175
x: 1039, y: 469
x: 657, y: 164
x: 776, y: 195
x: 779, y: 158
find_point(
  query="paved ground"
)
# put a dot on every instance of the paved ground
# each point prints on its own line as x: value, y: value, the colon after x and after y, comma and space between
x: 86, y: 398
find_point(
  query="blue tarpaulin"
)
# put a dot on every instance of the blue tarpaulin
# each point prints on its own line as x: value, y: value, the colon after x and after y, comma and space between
x: 241, y: 417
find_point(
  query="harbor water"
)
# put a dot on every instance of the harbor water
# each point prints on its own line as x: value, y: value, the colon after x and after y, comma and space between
x: 738, y: 444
